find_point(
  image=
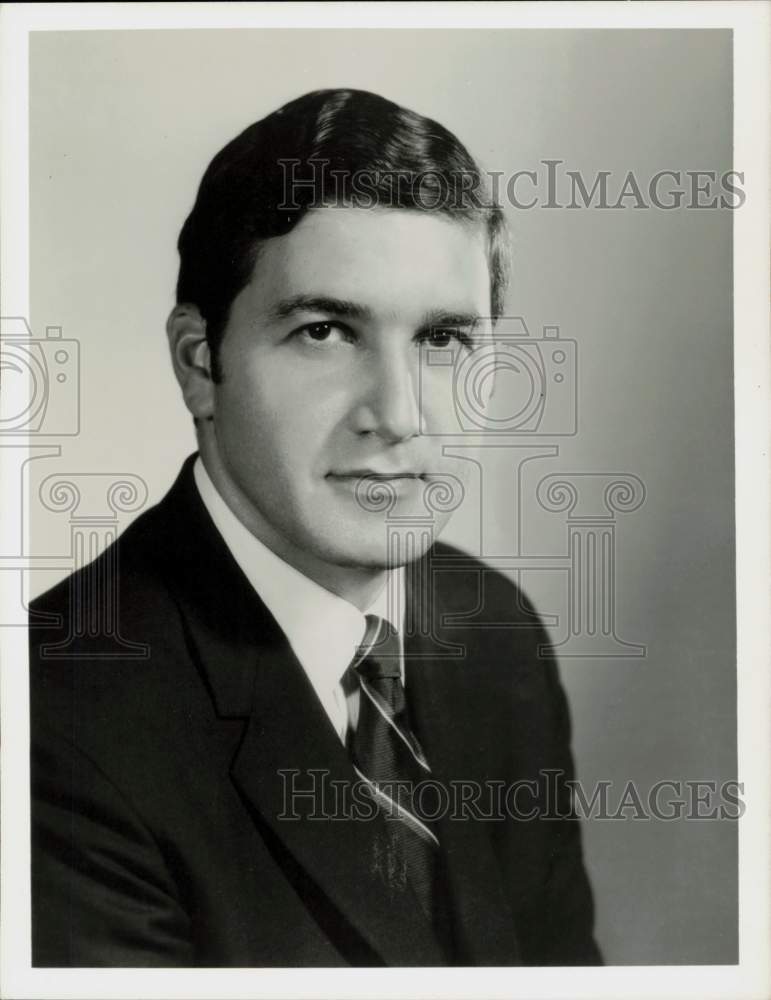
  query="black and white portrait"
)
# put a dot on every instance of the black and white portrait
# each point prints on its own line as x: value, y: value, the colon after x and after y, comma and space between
x: 372, y: 469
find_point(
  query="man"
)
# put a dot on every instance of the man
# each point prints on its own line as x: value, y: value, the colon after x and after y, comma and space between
x: 304, y: 634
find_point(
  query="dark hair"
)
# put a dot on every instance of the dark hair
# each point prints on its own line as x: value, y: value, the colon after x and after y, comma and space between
x: 334, y: 146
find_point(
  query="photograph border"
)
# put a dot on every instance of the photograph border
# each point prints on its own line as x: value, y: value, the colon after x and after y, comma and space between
x: 751, y: 977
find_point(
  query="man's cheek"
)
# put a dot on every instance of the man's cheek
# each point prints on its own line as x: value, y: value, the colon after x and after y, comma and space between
x: 439, y: 413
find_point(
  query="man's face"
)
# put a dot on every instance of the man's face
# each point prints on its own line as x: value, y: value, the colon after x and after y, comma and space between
x: 325, y: 377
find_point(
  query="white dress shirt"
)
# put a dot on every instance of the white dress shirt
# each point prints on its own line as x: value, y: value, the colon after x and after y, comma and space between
x: 324, y: 630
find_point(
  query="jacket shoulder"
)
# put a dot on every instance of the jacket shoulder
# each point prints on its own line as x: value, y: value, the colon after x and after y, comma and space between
x: 464, y: 582
x: 106, y: 643
x: 136, y: 551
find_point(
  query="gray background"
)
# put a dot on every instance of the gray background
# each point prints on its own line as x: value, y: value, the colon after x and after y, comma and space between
x: 122, y: 126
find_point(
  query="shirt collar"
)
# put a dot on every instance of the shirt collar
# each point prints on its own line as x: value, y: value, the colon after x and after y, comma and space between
x: 323, y: 629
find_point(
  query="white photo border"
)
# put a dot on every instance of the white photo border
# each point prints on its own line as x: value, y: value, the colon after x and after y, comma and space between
x: 751, y: 977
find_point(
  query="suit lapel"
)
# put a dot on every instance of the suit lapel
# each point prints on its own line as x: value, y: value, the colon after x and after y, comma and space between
x: 252, y: 673
x: 441, y: 694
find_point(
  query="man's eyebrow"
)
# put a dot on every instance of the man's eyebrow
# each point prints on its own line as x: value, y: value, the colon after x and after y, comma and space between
x: 448, y: 317
x: 331, y: 306
x: 319, y: 304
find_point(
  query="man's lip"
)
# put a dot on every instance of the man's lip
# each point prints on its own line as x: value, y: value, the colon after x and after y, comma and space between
x: 371, y: 474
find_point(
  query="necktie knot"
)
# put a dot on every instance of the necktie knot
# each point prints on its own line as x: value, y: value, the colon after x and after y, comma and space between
x: 379, y: 654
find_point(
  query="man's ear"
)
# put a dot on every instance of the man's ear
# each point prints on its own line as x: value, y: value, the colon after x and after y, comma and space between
x: 191, y: 358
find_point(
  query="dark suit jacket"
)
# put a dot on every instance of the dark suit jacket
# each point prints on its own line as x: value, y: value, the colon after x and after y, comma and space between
x: 157, y: 838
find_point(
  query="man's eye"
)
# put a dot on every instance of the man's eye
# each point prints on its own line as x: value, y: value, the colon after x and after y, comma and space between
x: 323, y: 333
x: 440, y: 337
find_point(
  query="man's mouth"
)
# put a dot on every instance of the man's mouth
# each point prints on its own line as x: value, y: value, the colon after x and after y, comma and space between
x: 357, y: 474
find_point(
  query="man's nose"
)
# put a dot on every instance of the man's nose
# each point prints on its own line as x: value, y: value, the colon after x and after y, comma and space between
x: 389, y: 404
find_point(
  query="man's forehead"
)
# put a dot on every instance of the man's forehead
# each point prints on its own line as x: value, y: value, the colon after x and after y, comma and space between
x: 376, y: 261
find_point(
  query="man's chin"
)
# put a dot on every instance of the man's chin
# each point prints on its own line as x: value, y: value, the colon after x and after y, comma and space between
x: 404, y: 544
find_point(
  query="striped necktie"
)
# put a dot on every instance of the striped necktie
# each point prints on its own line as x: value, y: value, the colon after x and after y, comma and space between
x: 388, y: 757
